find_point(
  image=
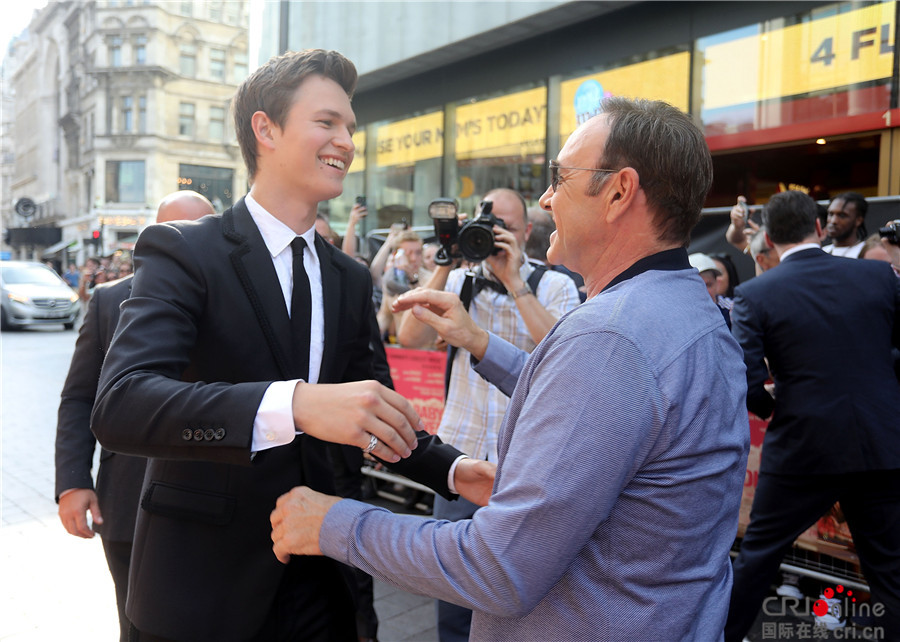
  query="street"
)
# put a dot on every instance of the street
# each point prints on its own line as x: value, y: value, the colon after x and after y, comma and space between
x: 54, y: 586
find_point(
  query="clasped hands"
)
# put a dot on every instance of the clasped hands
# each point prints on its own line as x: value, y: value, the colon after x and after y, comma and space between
x: 299, y: 513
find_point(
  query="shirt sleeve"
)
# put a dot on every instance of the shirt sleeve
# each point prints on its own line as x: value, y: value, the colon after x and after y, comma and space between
x: 501, y: 365
x: 574, y: 447
x: 274, y: 422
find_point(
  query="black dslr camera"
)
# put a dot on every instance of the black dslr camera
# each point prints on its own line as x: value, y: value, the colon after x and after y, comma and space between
x: 891, y: 232
x: 473, y: 240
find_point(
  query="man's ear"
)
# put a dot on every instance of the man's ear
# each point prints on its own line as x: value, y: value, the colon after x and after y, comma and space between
x: 263, y: 128
x: 624, y: 190
x: 768, y: 238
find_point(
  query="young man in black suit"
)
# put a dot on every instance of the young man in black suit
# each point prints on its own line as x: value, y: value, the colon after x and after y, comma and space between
x: 825, y: 325
x: 113, y: 506
x: 244, y: 348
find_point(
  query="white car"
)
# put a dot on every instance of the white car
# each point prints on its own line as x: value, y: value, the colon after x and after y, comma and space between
x: 33, y: 294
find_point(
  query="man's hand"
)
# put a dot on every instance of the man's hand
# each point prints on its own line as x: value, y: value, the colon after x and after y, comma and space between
x: 444, y: 312
x: 474, y: 480
x: 351, y: 413
x: 296, y: 522
x: 73, y: 508
x: 506, y: 264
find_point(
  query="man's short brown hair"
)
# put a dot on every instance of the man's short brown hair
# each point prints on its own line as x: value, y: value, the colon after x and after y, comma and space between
x: 271, y: 88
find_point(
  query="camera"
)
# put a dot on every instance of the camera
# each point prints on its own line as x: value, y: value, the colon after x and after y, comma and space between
x: 891, y: 232
x: 474, y: 239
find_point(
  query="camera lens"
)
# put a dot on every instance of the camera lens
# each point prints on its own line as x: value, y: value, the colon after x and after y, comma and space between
x: 476, y: 242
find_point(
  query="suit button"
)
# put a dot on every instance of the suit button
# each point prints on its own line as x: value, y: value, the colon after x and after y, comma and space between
x: 219, y: 434
x: 198, y: 435
x: 186, y: 434
x: 208, y: 434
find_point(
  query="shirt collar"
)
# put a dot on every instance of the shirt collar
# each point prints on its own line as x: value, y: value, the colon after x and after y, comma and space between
x: 276, y: 235
x: 800, y: 248
x: 674, y: 259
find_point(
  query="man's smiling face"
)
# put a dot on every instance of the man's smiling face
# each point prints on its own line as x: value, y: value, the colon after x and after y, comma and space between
x: 314, y: 149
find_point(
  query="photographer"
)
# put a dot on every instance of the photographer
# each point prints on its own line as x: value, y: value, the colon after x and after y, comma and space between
x: 513, y: 302
x: 403, y: 271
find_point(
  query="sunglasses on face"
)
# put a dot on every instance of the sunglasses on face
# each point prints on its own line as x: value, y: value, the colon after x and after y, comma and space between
x: 555, y: 167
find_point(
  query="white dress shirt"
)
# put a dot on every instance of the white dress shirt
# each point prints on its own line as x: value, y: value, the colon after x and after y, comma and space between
x: 274, y: 423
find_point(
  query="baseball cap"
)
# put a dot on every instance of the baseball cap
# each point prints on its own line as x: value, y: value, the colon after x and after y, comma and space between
x: 703, y: 263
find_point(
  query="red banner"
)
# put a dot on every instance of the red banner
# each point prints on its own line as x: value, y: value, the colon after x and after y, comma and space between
x: 419, y: 376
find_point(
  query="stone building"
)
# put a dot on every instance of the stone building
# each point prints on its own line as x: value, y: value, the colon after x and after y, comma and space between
x: 118, y: 103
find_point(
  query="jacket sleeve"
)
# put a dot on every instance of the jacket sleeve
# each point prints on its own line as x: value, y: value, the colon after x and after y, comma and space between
x: 747, y: 329
x: 74, y: 441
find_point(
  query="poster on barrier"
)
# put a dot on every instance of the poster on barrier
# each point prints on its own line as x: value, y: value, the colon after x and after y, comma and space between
x: 419, y: 376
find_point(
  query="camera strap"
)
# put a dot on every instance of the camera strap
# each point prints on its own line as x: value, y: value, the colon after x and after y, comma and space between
x: 466, y: 295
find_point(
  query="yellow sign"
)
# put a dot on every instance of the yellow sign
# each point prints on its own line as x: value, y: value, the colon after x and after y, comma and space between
x: 405, y: 142
x: 847, y: 48
x: 663, y: 78
x: 512, y: 125
x: 359, y: 157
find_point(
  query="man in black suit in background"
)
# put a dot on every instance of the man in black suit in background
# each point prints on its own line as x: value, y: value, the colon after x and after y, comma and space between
x: 114, y: 504
x: 826, y: 326
x: 244, y: 348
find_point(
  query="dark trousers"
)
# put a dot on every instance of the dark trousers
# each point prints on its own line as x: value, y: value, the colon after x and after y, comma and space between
x: 453, y: 621
x: 786, y: 505
x: 118, y: 557
x: 313, y: 604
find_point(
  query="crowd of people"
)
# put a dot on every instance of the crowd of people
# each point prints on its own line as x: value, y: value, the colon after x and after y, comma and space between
x: 591, y: 457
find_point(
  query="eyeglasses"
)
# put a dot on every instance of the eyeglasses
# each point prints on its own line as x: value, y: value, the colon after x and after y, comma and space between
x: 555, y: 167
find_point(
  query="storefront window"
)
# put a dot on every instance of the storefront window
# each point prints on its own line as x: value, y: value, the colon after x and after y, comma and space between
x: 407, y: 172
x: 771, y: 82
x: 501, y: 142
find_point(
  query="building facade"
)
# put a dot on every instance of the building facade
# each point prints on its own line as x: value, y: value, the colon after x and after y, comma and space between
x: 454, y: 99
x: 118, y: 103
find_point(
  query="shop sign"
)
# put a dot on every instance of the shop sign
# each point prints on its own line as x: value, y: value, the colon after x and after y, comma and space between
x: 511, y: 125
x: 407, y: 141
x: 664, y: 78
x: 831, y: 52
x: 123, y: 221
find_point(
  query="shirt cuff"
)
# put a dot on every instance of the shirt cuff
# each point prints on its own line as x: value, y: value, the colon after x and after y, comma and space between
x: 450, y: 474
x: 274, y: 422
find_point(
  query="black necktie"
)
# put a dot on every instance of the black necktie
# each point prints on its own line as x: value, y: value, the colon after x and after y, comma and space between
x: 301, y: 311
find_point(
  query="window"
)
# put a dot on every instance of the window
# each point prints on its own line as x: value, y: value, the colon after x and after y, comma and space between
x: 187, y: 63
x: 217, y: 64
x: 240, y: 67
x: 142, y: 114
x: 215, y: 11
x: 125, y: 182
x: 140, y: 50
x: 115, y: 52
x: 217, y: 123
x: 186, y: 119
x: 214, y: 183
x: 187, y: 8
x: 127, y: 114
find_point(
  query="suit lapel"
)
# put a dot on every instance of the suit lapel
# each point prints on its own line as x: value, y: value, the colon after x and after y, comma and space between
x: 331, y: 297
x: 256, y: 273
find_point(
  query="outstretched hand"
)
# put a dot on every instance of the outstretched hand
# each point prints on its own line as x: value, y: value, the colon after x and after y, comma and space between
x: 296, y: 522
x: 352, y: 413
x: 444, y: 312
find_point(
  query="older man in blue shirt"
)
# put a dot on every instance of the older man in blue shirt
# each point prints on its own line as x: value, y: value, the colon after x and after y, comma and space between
x: 622, y: 454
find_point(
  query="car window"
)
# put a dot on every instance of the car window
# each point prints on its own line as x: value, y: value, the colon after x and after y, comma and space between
x: 29, y: 274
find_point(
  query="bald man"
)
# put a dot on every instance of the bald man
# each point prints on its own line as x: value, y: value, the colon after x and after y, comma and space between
x: 119, y: 476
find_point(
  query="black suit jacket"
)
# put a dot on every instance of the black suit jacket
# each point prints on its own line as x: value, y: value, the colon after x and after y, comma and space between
x: 826, y: 325
x: 119, y: 476
x: 204, y: 334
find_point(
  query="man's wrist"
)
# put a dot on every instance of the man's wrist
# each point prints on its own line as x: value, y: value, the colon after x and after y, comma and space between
x: 520, y: 292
